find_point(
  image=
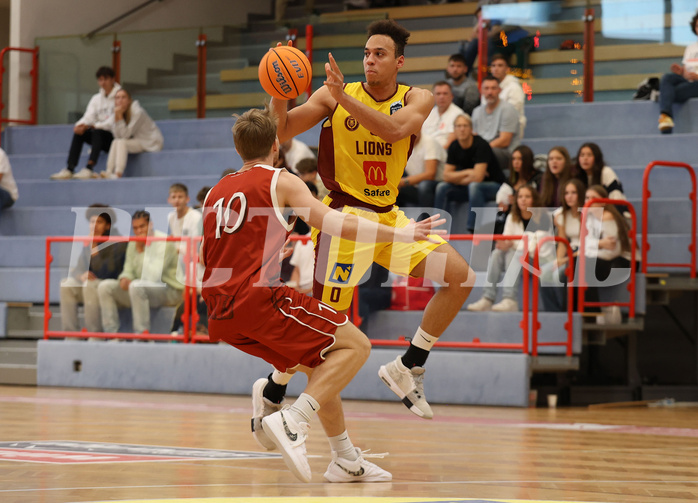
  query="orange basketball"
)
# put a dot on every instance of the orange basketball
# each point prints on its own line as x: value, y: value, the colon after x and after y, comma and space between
x: 285, y: 72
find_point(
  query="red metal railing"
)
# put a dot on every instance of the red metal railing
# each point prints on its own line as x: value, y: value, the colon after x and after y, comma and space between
x: 201, y: 77
x: 189, y: 280
x: 569, y: 272
x: 33, y: 110
x: 476, y: 343
x: 646, y: 194
x: 116, y: 59
x: 581, y: 258
x: 482, y: 61
x: 588, y: 55
x: 309, y: 53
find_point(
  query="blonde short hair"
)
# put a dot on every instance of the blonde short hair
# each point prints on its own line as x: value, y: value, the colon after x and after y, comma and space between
x: 254, y: 133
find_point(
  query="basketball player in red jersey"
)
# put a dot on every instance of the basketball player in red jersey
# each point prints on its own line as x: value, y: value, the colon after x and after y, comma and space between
x: 247, y: 219
x: 365, y: 142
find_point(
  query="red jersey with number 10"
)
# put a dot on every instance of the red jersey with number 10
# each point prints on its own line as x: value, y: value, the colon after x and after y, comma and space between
x: 244, y: 231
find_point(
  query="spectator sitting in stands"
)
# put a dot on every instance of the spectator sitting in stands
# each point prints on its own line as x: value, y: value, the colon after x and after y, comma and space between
x: 183, y: 221
x: 98, y: 261
x: 149, y: 279
x: 518, y: 40
x: 567, y: 221
x: 293, y: 152
x: 307, y: 171
x: 521, y: 172
x: 423, y: 171
x: 303, y: 259
x: 8, y: 187
x: 466, y: 95
x: 557, y: 171
x: 201, y: 196
x: 439, y: 123
x: 497, y: 122
x: 95, y: 128
x: 606, y: 242
x: 134, y: 132
x: 521, y: 220
x: 591, y: 170
x: 511, y: 89
x: 680, y: 84
x: 471, y: 173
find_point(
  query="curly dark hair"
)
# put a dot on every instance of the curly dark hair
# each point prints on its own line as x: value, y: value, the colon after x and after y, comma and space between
x: 390, y: 28
x: 693, y: 24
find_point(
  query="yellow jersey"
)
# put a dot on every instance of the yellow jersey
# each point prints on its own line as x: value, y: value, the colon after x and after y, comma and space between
x: 354, y: 161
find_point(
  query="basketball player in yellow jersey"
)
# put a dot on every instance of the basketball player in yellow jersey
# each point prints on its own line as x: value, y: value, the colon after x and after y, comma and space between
x: 365, y: 142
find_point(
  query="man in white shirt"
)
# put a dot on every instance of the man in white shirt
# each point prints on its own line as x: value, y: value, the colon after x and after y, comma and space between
x: 295, y: 151
x: 680, y: 84
x: 423, y: 171
x: 511, y: 88
x: 94, y: 127
x: 439, y: 123
x: 183, y: 221
x: 8, y: 186
x: 497, y: 122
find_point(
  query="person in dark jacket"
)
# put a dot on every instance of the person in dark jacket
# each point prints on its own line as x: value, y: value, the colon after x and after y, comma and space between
x: 98, y: 260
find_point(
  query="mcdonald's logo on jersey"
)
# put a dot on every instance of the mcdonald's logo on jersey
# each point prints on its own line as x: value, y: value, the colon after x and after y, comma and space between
x: 376, y: 173
x: 341, y: 273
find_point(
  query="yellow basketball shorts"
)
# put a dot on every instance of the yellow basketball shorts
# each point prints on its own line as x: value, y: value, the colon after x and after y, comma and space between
x: 340, y: 264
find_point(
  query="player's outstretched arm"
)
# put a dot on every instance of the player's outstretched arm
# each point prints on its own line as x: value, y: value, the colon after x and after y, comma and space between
x: 403, y: 123
x: 302, y: 117
x: 292, y: 192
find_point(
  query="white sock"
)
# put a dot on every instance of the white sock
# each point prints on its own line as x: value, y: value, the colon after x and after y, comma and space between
x: 304, y: 408
x: 281, y: 378
x: 341, y: 444
x: 423, y: 340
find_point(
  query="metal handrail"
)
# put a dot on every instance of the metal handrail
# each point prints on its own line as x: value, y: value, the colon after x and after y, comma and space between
x: 569, y: 272
x: 581, y: 259
x: 119, y: 18
x: 646, y: 194
x: 476, y: 344
x: 35, y: 84
x: 188, y: 335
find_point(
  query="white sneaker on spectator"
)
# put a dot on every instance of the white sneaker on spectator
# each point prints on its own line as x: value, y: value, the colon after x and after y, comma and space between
x: 261, y: 408
x: 289, y: 436
x: 484, y: 304
x: 408, y: 385
x: 359, y: 470
x: 611, y: 316
x: 506, y: 305
x: 64, y: 174
x: 108, y: 175
x: 85, y: 174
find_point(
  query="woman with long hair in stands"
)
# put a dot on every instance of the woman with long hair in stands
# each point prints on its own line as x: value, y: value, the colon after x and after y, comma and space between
x: 134, y: 132
x: 567, y: 219
x: 557, y: 171
x: 521, y: 220
x: 592, y: 170
x: 606, y: 243
x: 521, y: 172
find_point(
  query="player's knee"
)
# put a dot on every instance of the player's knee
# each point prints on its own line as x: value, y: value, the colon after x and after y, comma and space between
x: 364, y: 348
x: 359, y: 344
x: 460, y: 278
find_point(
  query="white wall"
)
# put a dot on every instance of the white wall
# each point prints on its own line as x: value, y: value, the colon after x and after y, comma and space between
x: 48, y: 18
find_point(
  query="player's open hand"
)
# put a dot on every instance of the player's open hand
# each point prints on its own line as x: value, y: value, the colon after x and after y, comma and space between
x: 422, y: 231
x: 335, y: 78
x: 287, y: 250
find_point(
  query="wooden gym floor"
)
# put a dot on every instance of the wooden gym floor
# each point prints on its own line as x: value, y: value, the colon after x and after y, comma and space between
x: 493, y: 454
